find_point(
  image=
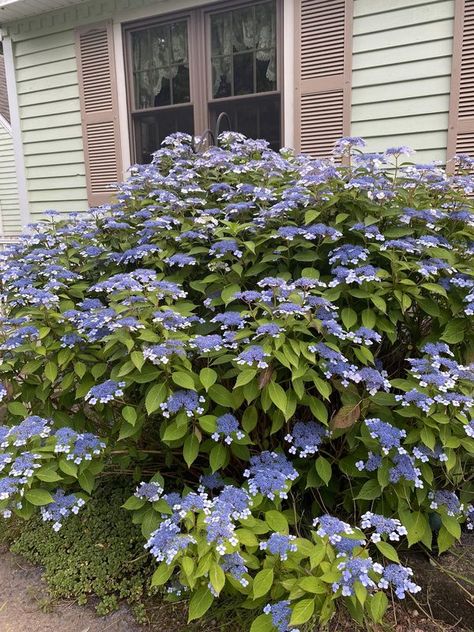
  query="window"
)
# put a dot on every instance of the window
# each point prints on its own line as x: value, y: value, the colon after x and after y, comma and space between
x: 171, y: 89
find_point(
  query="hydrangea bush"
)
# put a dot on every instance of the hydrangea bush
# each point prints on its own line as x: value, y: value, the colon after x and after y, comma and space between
x: 279, y: 349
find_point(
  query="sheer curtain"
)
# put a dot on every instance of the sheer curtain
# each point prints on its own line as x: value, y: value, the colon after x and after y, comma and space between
x: 157, y: 54
x: 246, y: 29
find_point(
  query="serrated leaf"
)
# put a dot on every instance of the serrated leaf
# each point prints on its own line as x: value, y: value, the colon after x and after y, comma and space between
x: 200, y: 603
x: 345, y: 417
x: 207, y: 377
x: 324, y: 469
x: 377, y: 605
x: 276, y: 521
x: 155, y: 396
x: 129, y: 414
x: 217, y: 457
x: 184, y: 380
x: 262, y: 583
x: 263, y: 623
x: 51, y: 371
x: 217, y: 577
x: 388, y: 551
x: 38, y: 497
x: 302, y: 611
x: 162, y: 574
x: 244, y: 377
x: 190, y: 449
x: 278, y: 396
x: 369, y: 491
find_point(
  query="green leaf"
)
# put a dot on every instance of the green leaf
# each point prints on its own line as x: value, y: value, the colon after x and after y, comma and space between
x: 263, y: 582
x: 227, y: 294
x: 51, y: 371
x: 86, y: 481
x: 323, y: 387
x: 263, y: 623
x: 162, y: 574
x: 38, y: 497
x: 369, y: 318
x: 416, y: 524
x: 302, y: 611
x: 244, y: 377
x: 18, y: 409
x: 207, y: 377
x: 377, y: 605
x: 137, y: 358
x: 155, y: 396
x: 388, y: 551
x: 217, y: 577
x: 349, y: 317
x: 175, y: 431
x: 313, y: 585
x: 190, y: 449
x: 217, y: 457
x: 278, y: 396
x: 324, y: 469
x: 68, y: 467
x: 220, y: 395
x: 184, y: 380
x: 133, y: 503
x: 129, y: 414
x: 451, y: 525
x: 276, y: 521
x: 369, y: 491
x: 454, y: 331
x: 200, y: 603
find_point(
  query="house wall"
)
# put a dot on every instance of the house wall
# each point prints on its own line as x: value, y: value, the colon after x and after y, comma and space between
x: 400, y: 85
x: 10, y: 223
x: 402, y: 52
x: 48, y: 97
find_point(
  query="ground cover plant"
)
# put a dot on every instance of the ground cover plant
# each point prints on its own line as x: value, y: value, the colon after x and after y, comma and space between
x: 99, y: 554
x: 279, y: 350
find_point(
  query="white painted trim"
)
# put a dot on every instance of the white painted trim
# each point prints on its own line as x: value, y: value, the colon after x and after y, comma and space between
x: 5, y: 124
x: 288, y: 91
x: 119, y: 55
x: 16, y: 131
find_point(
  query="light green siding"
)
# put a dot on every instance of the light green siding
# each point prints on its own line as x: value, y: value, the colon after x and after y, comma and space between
x: 48, y: 98
x: 401, y: 74
x: 9, y: 205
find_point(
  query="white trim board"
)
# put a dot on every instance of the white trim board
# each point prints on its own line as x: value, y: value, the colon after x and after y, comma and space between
x: 16, y: 132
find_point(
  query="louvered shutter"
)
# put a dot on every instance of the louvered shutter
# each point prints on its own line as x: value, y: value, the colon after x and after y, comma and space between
x: 323, y: 74
x: 99, y: 112
x: 461, y: 111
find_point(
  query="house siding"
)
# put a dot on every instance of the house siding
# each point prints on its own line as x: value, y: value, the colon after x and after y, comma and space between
x: 9, y: 204
x: 402, y: 57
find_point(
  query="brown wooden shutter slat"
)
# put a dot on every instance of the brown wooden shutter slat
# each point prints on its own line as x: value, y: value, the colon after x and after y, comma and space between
x: 99, y: 112
x: 461, y: 109
x: 323, y: 74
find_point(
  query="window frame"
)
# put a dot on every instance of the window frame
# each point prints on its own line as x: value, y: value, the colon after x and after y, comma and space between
x: 198, y: 21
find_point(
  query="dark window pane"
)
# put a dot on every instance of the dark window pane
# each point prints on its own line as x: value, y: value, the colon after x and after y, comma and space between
x: 152, y: 129
x: 221, y: 77
x: 160, y: 64
x: 181, y: 85
x: 221, y: 34
x: 243, y: 27
x: 266, y: 70
x: 243, y: 73
x: 249, y: 34
x: 256, y: 117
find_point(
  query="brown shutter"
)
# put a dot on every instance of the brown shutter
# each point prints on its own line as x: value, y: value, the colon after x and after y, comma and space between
x: 323, y: 73
x: 461, y: 109
x: 99, y: 112
x: 4, y: 109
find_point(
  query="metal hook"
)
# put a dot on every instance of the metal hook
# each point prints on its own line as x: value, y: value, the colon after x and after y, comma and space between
x: 211, y: 136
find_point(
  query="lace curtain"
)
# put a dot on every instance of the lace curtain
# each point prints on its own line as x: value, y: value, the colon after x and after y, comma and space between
x: 157, y: 54
x: 243, y: 30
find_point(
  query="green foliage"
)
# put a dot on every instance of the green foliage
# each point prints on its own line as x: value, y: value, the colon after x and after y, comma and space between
x: 99, y: 553
x: 366, y: 275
